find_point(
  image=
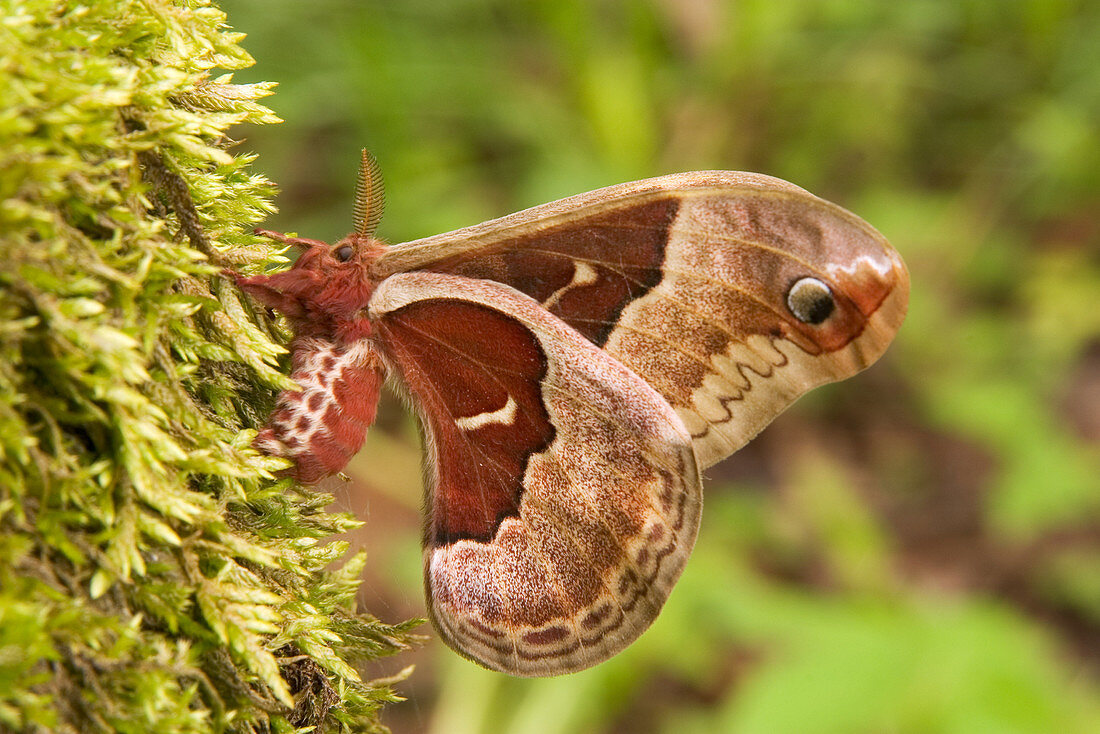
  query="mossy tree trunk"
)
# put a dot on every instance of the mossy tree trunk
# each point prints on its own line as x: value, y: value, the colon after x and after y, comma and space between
x: 153, y: 574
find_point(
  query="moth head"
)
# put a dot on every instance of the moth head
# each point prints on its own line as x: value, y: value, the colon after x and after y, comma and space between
x: 354, y: 252
x: 326, y: 290
x: 370, y: 201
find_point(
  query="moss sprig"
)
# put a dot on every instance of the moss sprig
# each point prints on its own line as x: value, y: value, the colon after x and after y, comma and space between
x: 154, y: 576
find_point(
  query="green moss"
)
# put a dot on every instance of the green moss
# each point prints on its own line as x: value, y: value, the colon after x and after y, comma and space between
x: 153, y: 576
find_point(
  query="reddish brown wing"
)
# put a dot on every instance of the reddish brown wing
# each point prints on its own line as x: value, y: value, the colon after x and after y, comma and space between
x: 698, y: 283
x: 564, y: 496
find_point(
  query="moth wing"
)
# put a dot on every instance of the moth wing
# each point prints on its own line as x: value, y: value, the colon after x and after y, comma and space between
x: 686, y: 280
x: 563, y: 493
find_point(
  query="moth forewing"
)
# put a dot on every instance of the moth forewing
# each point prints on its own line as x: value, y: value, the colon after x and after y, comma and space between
x: 685, y: 279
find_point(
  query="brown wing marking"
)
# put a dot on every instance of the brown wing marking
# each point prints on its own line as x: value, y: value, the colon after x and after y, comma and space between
x: 584, y: 271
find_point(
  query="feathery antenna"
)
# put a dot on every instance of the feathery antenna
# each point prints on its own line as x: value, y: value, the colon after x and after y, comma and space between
x: 370, y: 196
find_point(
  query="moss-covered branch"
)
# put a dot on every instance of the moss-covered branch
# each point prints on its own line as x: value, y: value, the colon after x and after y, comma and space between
x: 153, y: 575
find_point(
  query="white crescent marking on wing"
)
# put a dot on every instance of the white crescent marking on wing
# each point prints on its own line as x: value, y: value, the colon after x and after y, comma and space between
x: 505, y: 416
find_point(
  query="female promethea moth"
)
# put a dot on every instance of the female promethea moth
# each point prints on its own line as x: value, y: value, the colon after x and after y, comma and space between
x: 575, y: 366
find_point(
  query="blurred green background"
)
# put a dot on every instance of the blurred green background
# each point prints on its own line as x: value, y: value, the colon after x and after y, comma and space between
x: 915, y: 550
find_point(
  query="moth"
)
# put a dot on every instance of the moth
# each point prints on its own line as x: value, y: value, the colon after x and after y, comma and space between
x: 575, y: 366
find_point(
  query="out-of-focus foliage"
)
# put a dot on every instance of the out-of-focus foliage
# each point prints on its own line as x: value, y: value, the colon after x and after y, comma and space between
x: 913, y: 551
